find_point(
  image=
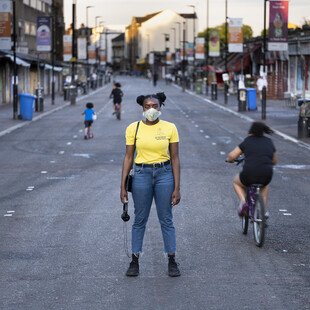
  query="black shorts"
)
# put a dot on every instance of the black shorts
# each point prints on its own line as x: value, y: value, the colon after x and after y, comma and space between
x: 249, y: 178
x: 88, y: 123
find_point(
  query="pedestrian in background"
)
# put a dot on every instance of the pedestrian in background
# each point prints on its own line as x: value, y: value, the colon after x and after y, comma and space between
x: 89, y: 117
x: 156, y: 176
x: 117, y: 95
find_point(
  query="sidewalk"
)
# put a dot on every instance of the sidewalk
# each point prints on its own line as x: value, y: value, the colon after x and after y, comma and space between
x: 279, y: 115
x: 8, y: 124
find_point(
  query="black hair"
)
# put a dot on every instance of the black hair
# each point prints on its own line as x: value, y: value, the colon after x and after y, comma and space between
x: 258, y: 129
x: 161, y: 97
x: 116, y: 84
x: 89, y: 105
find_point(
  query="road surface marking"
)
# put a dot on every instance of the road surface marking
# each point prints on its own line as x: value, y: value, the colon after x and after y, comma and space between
x: 30, y: 188
x: 75, y: 137
x: 10, y: 211
x: 69, y: 143
x: 207, y: 137
x: 282, y: 210
x: 82, y: 155
x: 8, y: 214
x: 52, y: 161
x: 222, y: 153
x: 201, y: 130
x: 213, y: 143
x: 61, y: 152
x: 43, y: 172
x: 287, y: 214
x: 295, y: 167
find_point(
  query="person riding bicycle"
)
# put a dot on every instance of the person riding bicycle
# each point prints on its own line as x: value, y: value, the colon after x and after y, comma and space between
x: 117, y: 95
x: 89, y: 116
x: 259, y: 157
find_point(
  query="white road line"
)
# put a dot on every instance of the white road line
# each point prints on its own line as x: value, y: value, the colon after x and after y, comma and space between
x: 52, y: 161
x: 196, y: 126
x: 8, y: 214
x: 69, y: 143
x: 222, y: 153
x: 207, y: 137
x: 213, y: 143
x: 81, y: 130
x: 75, y: 137
x: 43, y: 172
x: 201, y: 130
x: 287, y: 214
x: 61, y: 152
x: 282, y: 210
x: 249, y: 119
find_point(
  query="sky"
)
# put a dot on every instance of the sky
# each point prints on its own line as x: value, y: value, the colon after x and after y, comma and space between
x: 120, y: 12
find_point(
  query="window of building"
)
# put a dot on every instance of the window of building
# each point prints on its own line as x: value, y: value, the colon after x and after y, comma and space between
x: 33, y: 3
x: 33, y: 29
x: 39, y: 5
x: 27, y: 28
x: 27, y: 2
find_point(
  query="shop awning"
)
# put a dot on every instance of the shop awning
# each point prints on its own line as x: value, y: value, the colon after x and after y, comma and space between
x: 49, y: 67
x: 19, y: 61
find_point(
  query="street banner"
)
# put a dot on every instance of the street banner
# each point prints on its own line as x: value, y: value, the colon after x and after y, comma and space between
x: 235, y: 36
x: 92, y: 54
x: 189, y: 51
x: 168, y: 58
x: 44, y: 34
x: 67, y: 42
x: 103, y: 57
x: 200, y: 48
x: 278, y: 20
x: 5, y: 25
x: 82, y: 48
x: 214, y: 44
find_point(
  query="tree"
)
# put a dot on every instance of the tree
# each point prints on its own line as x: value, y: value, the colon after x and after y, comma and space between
x: 246, y: 30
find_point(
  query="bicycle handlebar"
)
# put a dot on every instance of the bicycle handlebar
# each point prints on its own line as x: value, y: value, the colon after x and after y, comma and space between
x: 238, y: 160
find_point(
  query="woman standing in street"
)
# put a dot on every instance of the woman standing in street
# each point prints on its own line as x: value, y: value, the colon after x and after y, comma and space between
x: 156, y: 175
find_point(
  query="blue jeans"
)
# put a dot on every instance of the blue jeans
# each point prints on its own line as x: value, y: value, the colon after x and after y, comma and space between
x: 149, y: 183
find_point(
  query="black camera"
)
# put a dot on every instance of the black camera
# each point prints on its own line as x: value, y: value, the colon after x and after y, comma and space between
x: 125, y: 216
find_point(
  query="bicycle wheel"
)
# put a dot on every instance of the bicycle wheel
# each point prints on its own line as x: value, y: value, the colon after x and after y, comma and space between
x: 259, y: 222
x: 245, y: 224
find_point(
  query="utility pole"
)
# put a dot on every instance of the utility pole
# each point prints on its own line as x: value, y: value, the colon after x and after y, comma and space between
x: 87, y: 46
x: 15, y: 85
x: 226, y: 52
x: 264, y: 90
x: 207, y: 50
x: 183, y: 60
x: 53, y: 50
x: 73, y: 60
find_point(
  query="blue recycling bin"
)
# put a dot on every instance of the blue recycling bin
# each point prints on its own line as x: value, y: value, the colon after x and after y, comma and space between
x: 26, y: 106
x: 251, y: 99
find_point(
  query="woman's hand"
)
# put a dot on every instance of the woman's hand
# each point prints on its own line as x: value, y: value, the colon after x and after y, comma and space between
x: 124, y: 195
x: 176, y: 197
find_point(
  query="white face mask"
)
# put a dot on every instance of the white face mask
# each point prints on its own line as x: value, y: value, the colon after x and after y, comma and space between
x: 151, y: 114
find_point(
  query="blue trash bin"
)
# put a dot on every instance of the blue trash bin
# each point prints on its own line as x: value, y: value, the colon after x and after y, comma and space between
x: 251, y: 99
x: 26, y: 106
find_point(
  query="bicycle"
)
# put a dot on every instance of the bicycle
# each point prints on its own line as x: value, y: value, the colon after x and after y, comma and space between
x: 255, y: 211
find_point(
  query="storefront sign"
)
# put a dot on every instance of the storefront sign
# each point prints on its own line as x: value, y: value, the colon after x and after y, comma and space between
x: 67, y: 46
x: 200, y: 48
x: 82, y: 48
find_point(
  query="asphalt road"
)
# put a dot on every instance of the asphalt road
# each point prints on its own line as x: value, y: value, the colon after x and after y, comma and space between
x: 61, y: 236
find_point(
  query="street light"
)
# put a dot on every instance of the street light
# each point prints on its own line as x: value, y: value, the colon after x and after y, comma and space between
x: 15, y: 86
x: 194, y: 39
x: 87, y: 45
x: 226, y: 52
x: 73, y: 58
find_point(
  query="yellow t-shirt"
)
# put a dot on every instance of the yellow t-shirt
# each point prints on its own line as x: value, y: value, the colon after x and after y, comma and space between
x: 152, y: 143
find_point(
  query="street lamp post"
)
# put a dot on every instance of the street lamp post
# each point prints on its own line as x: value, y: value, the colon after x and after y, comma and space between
x: 194, y: 40
x: 264, y: 90
x: 73, y: 60
x: 87, y: 45
x: 183, y: 60
x: 53, y: 50
x: 15, y: 86
x: 226, y: 53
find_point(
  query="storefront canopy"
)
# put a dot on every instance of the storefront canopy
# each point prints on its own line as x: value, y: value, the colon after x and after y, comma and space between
x: 19, y: 61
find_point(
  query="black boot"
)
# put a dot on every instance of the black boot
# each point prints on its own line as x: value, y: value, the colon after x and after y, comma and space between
x: 133, y: 269
x: 173, y: 269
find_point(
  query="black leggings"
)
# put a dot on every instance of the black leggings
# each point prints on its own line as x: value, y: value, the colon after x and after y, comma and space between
x: 247, y: 178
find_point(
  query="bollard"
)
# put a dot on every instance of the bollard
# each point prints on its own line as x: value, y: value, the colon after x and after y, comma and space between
x: 242, y: 99
x: 213, y: 91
